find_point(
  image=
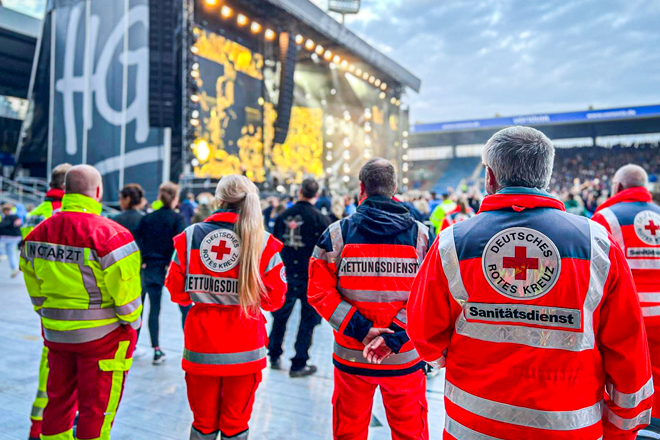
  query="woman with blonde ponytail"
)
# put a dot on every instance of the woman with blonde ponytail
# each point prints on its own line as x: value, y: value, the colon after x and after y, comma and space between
x: 230, y: 268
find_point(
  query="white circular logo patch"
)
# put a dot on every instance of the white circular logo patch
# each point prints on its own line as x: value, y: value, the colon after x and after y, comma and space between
x: 219, y: 250
x: 283, y: 273
x: 647, y: 227
x: 521, y: 263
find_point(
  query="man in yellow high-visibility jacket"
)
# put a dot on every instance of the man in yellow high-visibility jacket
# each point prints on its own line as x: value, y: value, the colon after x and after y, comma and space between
x: 50, y: 206
x: 82, y: 272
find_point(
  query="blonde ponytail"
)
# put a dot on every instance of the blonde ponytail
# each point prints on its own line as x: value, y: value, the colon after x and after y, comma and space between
x: 235, y: 191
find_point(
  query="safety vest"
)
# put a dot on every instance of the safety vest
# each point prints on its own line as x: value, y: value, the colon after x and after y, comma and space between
x: 439, y: 213
x: 456, y: 216
x: 220, y: 339
x: 82, y: 272
x: 359, y: 280
x: 50, y: 206
x: 534, y: 312
x: 634, y: 222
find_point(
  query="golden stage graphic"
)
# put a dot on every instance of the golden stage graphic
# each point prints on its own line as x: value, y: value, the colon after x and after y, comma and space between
x: 233, y: 127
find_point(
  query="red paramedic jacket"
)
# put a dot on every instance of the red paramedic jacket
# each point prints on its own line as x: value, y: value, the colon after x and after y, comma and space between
x: 535, y: 313
x: 220, y: 340
x: 634, y: 222
x: 360, y: 276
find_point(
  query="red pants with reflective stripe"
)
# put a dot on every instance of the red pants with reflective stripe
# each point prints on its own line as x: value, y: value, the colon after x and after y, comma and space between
x: 404, y: 398
x: 76, y: 383
x: 222, y: 403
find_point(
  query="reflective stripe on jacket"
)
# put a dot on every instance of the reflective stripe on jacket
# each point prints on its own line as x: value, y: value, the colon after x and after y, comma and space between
x: 82, y: 272
x: 535, y: 314
x: 359, y: 280
x: 220, y: 339
x: 634, y: 222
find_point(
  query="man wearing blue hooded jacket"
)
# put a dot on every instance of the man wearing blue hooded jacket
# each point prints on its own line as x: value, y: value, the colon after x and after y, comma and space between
x: 360, y: 276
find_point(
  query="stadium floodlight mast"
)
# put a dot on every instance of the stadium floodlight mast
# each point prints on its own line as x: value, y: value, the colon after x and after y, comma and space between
x: 344, y: 7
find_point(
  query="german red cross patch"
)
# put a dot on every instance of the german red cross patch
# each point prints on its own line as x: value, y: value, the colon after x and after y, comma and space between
x: 521, y: 263
x: 647, y: 227
x: 219, y: 250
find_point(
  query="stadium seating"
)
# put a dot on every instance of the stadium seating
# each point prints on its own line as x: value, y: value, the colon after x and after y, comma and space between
x: 456, y: 169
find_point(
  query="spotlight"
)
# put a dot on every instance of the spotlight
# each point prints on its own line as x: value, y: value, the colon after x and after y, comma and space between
x: 269, y: 34
x: 212, y: 2
x: 377, y: 83
x: 358, y: 72
x: 195, y: 73
x: 347, y: 142
x: 195, y: 66
x: 393, y: 100
x: 328, y: 145
x: 260, y: 101
x: 347, y: 156
x: 351, y: 68
x: 365, y: 76
x: 202, y: 149
x: 319, y: 49
x: 299, y: 39
x: 194, y: 122
x: 383, y: 86
x: 194, y: 98
x: 195, y: 114
x: 255, y: 27
x: 344, y: 64
x: 336, y: 59
x: 194, y: 49
x: 309, y: 45
x: 382, y: 95
x: 405, y: 134
x: 346, y: 179
x: 405, y: 181
x: 226, y: 12
x: 242, y: 20
x: 327, y: 55
x: 371, y: 80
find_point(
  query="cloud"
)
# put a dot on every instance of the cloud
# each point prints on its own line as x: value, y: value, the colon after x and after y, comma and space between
x: 481, y: 57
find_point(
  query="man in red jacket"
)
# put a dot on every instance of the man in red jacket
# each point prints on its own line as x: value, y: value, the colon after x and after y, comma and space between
x: 634, y: 222
x: 359, y: 281
x: 534, y: 312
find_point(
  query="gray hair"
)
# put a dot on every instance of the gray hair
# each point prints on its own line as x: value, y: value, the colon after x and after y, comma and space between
x: 379, y: 177
x: 631, y: 176
x: 520, y: 156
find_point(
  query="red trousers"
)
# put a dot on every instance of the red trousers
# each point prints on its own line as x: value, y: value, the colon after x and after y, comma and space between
x: 404, y: 398
x: 88, y: 378
x: 221, y: 404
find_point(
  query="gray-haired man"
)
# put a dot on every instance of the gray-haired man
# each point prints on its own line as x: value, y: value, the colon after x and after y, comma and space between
x: 533, y: 310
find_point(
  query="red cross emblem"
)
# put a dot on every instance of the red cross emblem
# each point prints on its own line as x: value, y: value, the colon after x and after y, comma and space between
x: 221, y: 250
x: 521, y: 263
x: 652, y: 227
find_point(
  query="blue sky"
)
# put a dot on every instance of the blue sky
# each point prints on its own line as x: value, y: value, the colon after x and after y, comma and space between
x: 477, y: 58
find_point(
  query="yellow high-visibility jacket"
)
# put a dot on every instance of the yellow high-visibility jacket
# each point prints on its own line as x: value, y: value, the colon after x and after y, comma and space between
x: 50, y: 206
x: 82, y: 272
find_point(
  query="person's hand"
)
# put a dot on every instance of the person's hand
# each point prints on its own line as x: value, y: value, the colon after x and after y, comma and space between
x: 377, y: 351
x: 17, y: 223
x: 144, y: 265
x: 374, y: 332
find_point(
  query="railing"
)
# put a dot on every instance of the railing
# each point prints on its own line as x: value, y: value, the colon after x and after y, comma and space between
x: 14, y: 192
x: 28, y: 190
